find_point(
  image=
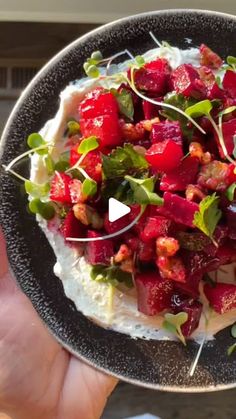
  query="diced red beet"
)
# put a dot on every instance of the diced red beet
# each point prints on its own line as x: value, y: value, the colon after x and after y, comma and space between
x: 149, y: 109
x: 153, y: 76
x: 216, y: 176
x: 215, y: 92
x: 135, y: 211
x: 92, y: 163
x: 166, y: 130
x: 105, y: 127
x: 182, y: 176
x: 185, y: 79
x: 155, y: 227
x: 191, y: 284
x: 98, y: 103
x: 100, y: 251
x: 192, y: 308
x: 229, y: 83
x: 164, y: 156
x: 59, y: 188
x: 227, y: 253
x: 209, y: 58
x: 222, y: 297
x: 231, y: 219
x: 76, y: 195
x: 229, y: 131
x: 179, y: 209
x: 71, y: 227
x: 154, y: 293
x: 146, y: 251
x: 113, y: 227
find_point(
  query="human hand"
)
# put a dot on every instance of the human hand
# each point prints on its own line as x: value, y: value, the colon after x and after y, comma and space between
x: 38, y: 378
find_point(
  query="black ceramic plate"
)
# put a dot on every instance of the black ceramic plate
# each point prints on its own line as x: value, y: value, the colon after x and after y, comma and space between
x: 160, y: 365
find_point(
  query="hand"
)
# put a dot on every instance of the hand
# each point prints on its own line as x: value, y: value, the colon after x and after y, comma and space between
x: 38, y: 378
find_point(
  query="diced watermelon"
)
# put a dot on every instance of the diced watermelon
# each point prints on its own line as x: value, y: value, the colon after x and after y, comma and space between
x: 229, y: 131
x: 229, y: 83
x: 164, y: 156
x: 98, y: 252
x: 209, y: 58
x: 105, y: 127
x: 71, y: 227
x: 59, y: 188
x: 98, y: 103
x: 182, y: 176
x: 222, y: 297
x: 185, y: 79
x: 166, y: 130
x: 153, y: 292
x: 179, y: 209
x: 155, y: 227
x: 180, y: 303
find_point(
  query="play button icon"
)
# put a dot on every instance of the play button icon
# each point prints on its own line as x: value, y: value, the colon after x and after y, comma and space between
x: 116, y: 210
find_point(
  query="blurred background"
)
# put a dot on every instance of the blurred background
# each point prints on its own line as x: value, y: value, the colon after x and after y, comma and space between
x: 31, y: 32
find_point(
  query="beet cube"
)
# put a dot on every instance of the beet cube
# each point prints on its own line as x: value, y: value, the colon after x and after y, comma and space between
x: 153, y: 77
x: 149, y: 109
x: 98, y: 103
x: 153, y: 292
x: 164, y: 156
x: 179, y: 209
x: 222, y: 297
x: 185, y: 79
x: 71, y: 227
x: 155, y: 227
x: 193, y: 310
x: 191, y: 284
x: 179, y: 178
x: 229, y: 83
x: 229, y: 131
x: 167, y: 130
x: 209, y: 57
x: 105, y: 127
x: 98, y: 252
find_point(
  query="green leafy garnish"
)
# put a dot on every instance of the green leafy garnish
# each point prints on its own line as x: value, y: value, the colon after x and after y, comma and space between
x: 233, y: 331
x: 90, y: 66
x: 111, y: 275
x: 227, y: 111
x: 73, y: 127
x: 143, y: 191
x: 125, y: 102
x: 231, y: 191
x: 35, y: 140
x: 45, y: 209
x: 49, y: 163
x: 61, y: 166
x: 36, y: 190
x: 139, y: 60
x: 88, y: 144
x: 231, y: 349
x: 173, y: 323
x: 199, y: 109
x: 122, y: 161
x: 89, y: 187
x: 208, y: 216
x: 231, y: 61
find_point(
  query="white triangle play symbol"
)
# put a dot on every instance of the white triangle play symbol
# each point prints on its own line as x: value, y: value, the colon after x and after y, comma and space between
x: 116, y: 209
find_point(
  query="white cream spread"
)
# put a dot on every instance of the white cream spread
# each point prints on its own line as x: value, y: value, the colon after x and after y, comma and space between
x: 93, y: 298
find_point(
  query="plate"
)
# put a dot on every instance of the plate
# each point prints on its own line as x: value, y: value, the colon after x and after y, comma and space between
x: 161, y: 365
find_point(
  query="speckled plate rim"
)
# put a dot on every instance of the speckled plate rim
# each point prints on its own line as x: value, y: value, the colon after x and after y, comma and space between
x: 61, y: 53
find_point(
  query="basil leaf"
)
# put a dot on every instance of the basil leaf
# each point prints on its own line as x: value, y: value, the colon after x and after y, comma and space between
x: 125, y: 102
x: 88, y: 144
x: 123, y: 160
x: 231, y: 191
x: 208, y: 216
x: 89, y: 187
x: 173, y: 323
x: 199, y: 109
x: 143, y: 190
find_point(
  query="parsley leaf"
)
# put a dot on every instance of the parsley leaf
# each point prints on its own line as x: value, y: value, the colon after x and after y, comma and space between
x: 208, y: 216
x: 143, y: 191
x: 111, y: 275
x: 173, y: 323
x: 122, y: 161
x: 125, y: 102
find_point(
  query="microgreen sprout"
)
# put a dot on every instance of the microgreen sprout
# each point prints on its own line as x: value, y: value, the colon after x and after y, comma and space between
x: 173, y: 322
x: 73, y: 127
x: 231, y: 61
x: 232, y: 348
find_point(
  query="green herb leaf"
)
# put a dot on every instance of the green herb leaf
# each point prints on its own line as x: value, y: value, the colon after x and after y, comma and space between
x: 208, y: 216
x: 92, y: 71
x: 35, y: 190
x: 62, y: 166
x: 231, y: 349
x: 35, y: 140
x: 97, y: 56
x: 143, y: 190
x: 226, y: 111
x: 89, y: 187
x: 173, y: 323
x: 111, y: 275
x: 231, y: 61
x: 125, y: 102
x: 49, y: 163
x: 122, y: 161
x: 140, y: 61
x: 88, y: 144
x: 231, y: 191
x: 233, y: 331
x: 199, y: 109
x: 73, y: 128
x: 45, y: 209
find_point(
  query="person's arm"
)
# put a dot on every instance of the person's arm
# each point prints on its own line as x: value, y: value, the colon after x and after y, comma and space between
x: 38, y: 378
